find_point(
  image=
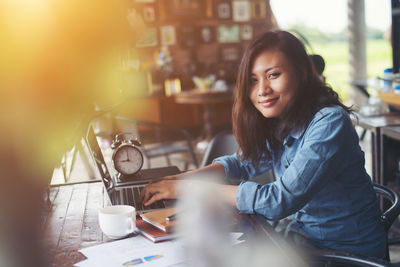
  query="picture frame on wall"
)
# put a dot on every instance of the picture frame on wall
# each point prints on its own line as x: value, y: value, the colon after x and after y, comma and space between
x: 228, y: 33
x: 206, y: 34
x: 148, y: 38
x: 230, y: 53
x: 258, y: 9
x: 246, y: 32
x: 209, y: 8
x: 241, y: 10
x: 224, y: 9
x: 172, y: 86
x: 187, y: 36
x: 149, y: 13
x: 175, y: 10
x: 168, y: 36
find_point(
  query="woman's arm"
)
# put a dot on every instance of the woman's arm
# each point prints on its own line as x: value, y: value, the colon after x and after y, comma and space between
x: 326, y: 150
x: 169, y: 187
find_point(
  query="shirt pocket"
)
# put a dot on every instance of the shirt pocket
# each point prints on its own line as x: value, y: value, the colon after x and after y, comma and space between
x: 288, y: 158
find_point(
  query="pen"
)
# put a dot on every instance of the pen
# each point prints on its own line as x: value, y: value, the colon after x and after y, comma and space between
x: 172, y: 217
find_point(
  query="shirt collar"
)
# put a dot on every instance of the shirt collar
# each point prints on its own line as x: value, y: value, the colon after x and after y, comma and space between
x: 294, y: 134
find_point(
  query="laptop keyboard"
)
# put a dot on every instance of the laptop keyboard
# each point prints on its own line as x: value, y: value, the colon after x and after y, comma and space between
x: 131, y: 195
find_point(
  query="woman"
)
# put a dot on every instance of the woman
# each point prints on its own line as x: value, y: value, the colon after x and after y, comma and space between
x: 286, y: 118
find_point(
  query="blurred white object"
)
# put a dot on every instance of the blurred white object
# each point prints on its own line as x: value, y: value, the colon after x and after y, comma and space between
x: 206, y: 231
x: 220, y: 86
x: 373, y: 107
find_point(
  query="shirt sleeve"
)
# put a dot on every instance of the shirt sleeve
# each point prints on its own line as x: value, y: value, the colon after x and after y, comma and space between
x: 242, y: 170
x: 316, y: 161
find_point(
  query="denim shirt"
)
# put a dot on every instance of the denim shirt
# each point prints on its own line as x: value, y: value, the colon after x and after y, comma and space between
x: 321, y: 180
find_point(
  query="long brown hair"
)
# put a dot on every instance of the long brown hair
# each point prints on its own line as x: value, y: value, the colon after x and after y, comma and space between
x: 252, y: 130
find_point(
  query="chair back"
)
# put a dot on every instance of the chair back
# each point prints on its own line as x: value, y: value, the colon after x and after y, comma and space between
x: 223, y: 143
x: 390, y: 214
x: 342, y: 260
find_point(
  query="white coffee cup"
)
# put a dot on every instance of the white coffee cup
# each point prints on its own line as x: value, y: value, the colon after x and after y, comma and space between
x: 117, y: 221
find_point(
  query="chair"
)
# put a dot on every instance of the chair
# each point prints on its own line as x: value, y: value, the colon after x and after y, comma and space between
x: 319, y: 65
x: 342, y: 260
x: 390, y: 213
x: 223, y: 143
x: 156, y: 139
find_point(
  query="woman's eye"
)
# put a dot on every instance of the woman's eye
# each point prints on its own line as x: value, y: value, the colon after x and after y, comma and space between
x: 253, y: 80
x: 274, y: 75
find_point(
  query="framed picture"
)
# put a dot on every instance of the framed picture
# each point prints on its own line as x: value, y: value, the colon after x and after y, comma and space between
x: 228, y: 34
x: 206, y: 34
x: 148, y: 38
x: 258, y: 9
x: 187, y: 36
x: 149, y: 13
x: 168, y: 36
x: 172, y: 86
x: 230, y: 53
x: 241, y: 10
x: 182, y: 9
x: 246, y: 32
x: 209, y: 8
x: 224, y: 9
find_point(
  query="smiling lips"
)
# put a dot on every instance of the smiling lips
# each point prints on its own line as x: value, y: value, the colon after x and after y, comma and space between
x: 268, y: 102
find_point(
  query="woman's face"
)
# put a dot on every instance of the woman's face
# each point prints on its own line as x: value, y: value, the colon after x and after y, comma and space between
x: 274, y: 82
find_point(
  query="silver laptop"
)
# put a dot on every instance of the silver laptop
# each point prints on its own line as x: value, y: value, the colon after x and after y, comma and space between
x: 127, y: 191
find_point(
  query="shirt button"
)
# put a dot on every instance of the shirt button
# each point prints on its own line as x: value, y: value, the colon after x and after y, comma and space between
x: 286, y: 166
x: 290, y: 142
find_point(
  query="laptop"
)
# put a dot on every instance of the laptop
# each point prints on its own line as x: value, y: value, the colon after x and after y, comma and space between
x: 127, y: 191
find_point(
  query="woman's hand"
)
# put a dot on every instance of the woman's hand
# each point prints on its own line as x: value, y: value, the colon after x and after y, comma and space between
x: 163, y: 189
x: 169, y: 187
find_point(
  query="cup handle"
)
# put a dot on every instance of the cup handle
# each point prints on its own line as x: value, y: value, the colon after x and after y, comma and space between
x: 131, y: 225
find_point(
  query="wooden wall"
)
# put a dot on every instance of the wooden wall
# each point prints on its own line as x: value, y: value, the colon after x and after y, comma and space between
x: 203, y: 37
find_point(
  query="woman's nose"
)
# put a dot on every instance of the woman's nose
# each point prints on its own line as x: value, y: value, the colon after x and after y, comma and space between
x: 264, y: 88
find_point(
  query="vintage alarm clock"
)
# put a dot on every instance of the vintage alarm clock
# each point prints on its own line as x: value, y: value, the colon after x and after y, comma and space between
x: 127, y: 156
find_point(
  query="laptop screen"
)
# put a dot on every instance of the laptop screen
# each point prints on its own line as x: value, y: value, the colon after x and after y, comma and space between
x: 97, y: 156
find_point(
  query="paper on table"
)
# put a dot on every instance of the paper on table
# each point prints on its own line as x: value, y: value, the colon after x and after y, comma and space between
x: 135, y: 249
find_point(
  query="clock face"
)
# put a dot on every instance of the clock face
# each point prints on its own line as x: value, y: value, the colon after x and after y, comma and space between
x: 128, y: 159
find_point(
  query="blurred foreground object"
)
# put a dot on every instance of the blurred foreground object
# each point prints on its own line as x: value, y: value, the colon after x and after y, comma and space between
x: 58, y: 58
x: 205, y: 227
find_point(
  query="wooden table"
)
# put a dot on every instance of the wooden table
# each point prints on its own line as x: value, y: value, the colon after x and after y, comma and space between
x: 71, y: 223
x: 374, y: 125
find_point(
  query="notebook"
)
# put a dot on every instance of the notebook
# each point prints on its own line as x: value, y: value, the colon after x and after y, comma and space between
x: 127, y: 191
x: 153, y: 233
x: 159, y: 219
